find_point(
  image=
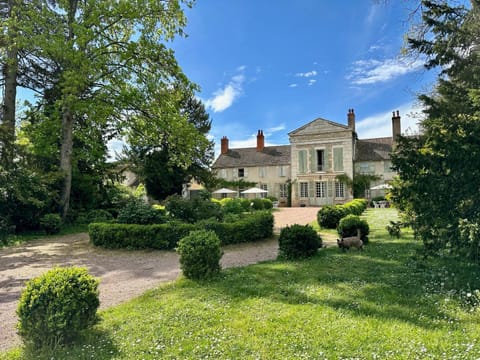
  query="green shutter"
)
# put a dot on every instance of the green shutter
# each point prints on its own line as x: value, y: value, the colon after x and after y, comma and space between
x: 330, y: 189
x: 313, y: 161
x: 338, y: 159
x: 326, y: 162
x: 302, y: 161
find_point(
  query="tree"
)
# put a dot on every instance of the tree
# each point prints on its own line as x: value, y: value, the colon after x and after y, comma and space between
x: 105, y: 64
x: 8, y: 14
x: 439, y: 183
x: 153, y: 163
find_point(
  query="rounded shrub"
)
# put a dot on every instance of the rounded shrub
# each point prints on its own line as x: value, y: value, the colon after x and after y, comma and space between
x: 200, y: 254
x: 349, y: 224
x: 298, y: 241
x: 231, y: 206
x: 57, y: 307
x: 329, y: 216
x: 246, y: 204
x: 257, y: 204
x: 137, y: 211
x: 51, y: 223
x: 98, y: 215
x: 267, y: 204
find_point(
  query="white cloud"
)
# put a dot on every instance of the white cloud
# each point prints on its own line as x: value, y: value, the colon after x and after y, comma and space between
x: 307, y: 74
x: 374, y: 71
x: 380, y: 124
x: 274, y: 129
x: 292, y: 85
x: 311, y: 82
x: 224, y: 97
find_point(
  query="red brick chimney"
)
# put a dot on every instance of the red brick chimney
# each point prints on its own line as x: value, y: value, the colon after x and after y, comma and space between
x: 224, y: 145
x: 396, y: 127
x: 260, y: 141
x: 351, y: 119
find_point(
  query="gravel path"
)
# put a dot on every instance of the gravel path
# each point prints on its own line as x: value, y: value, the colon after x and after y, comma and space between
x: 124, y: 274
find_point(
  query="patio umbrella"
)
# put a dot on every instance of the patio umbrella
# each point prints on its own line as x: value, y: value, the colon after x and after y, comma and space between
x: 224, y: 191
x: 381, y: 187
x: 255, y: 190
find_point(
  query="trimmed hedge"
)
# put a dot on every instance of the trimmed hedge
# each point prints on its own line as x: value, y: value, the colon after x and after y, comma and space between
x: 200, y: 254
x: 57, y: 307
x: 298, y: 241
x: 252, y: 227
x: 255, y: 226
x: 349, y: 224
x: 329, y: 216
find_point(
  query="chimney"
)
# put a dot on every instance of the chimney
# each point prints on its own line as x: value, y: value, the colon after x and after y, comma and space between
x: 351, y: 119
x: 224, y: 145
x: 396, y: 128
x: 260, y: 141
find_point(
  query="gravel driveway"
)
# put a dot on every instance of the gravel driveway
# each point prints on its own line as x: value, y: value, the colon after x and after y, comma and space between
x: 124, y: 274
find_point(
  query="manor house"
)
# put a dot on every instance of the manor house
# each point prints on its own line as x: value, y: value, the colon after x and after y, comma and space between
x: 318, y: 152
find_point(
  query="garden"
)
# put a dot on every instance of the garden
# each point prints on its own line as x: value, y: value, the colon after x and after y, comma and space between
x: 388, y: 301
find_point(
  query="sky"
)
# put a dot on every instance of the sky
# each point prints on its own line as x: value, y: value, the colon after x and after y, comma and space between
x: 277, y: 65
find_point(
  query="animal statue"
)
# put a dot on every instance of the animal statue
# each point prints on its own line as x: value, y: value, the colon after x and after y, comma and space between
x: 352, y: 241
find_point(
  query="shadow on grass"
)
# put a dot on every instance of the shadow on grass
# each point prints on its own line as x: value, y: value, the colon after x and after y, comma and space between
x: 97, y: 344
x: 385, y: 282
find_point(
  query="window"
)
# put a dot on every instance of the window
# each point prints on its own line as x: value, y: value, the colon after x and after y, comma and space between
x: 264, y: 187
x: 241, y: 172
x: 283, y: 190
x: 387, y: 166
x: 321, y: 160
x: 302, y: 161
x: 321, y: 189
x: 282, y: 170
x: 262, y: 172
x: 338, y: 159
x: 303, y: 189
x: 339, y: 190
x: 365, y: 168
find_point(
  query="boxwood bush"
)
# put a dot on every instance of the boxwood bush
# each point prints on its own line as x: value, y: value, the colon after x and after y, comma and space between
x: 251, y: 227
x: 329, y: 216
x: 51, y: 223
x: 349, y: 224
x: 136, y: 211
x: 200, y: 254
x: 57, y: 307
x: 298, y: 241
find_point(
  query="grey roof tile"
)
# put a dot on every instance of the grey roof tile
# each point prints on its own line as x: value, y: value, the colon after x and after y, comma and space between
x: 246, y: 157
x: 374, y: 149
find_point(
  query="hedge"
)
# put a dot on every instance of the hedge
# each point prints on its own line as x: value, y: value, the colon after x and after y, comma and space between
x: 255, y: 226
x: 329, y: 216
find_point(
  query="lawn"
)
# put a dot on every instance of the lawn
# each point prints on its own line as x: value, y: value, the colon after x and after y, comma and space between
x: 386, y: 302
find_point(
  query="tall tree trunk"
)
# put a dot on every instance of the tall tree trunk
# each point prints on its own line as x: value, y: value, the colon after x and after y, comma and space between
x: 67, y: 132
x: 66, y: 159
x: 7, y: 129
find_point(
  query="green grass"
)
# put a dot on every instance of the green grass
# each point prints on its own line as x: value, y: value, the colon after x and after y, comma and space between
x: 35, y: 235
x: 386, y: 302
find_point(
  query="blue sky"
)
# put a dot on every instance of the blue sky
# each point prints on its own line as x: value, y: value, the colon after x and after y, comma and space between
x: 277, y: 65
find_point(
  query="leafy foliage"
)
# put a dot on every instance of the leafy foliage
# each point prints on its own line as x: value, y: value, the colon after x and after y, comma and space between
x: 298, y: 241
x: 57, y: 307
x: 138, y: 211
x: 348, y: 227
x: 51, y: 223
x: 192, y: 210
x: 438, y: 184
x: 200, y: 254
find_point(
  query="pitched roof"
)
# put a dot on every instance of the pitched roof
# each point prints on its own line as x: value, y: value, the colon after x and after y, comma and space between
x: 321, y: 124
x: 374, y: 149
x: 270, y: 156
